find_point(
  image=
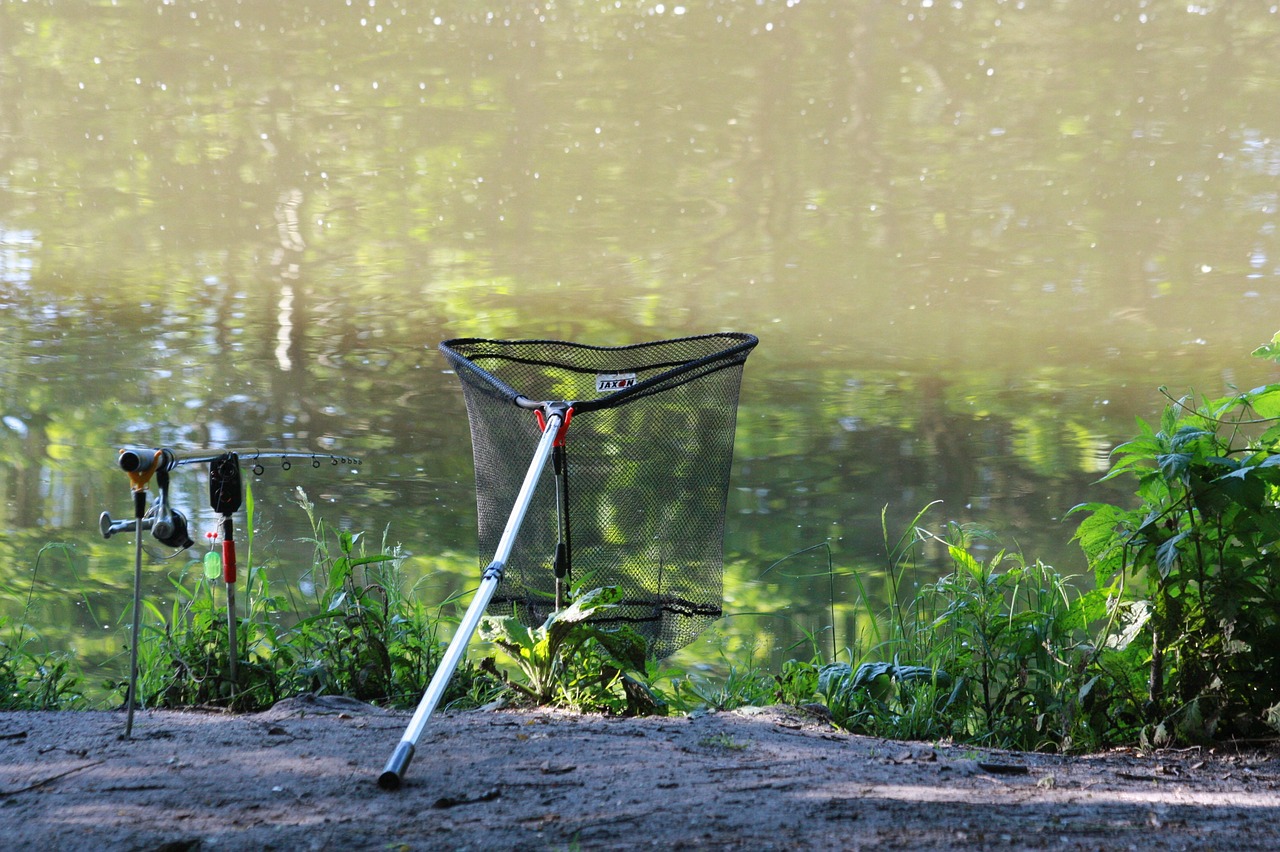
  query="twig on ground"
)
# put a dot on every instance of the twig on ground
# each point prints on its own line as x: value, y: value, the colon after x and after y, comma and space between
x: 49, y: 780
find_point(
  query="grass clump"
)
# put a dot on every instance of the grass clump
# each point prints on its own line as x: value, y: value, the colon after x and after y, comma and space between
x: 1000, y: 652
x: 31, y: 679
x: 359, y: 635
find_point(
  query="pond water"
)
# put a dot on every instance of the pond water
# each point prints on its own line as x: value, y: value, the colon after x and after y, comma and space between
x: 974, y: 239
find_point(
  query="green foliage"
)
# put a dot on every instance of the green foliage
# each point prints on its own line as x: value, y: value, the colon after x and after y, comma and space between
x: 1270, y: 351
x: 361, y: 635
x: 183, y: 654
x: 31, y: 679
x: 887, y: 699
x: 1199, y: 551
x: 572, y: 661
x: 741, y: 686
x: 797, y: 683
x: 1036, y: 662
x: 367, y: 639
x: 1003, y: 652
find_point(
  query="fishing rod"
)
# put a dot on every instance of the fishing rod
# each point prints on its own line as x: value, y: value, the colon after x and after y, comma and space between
x: 139, y: 459
x: 169, y: 526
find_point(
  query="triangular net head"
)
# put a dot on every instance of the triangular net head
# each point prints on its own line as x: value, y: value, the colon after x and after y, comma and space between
x: 647, y: 456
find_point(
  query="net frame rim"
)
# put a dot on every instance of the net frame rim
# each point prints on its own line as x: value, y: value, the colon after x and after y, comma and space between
x: 734, y: 355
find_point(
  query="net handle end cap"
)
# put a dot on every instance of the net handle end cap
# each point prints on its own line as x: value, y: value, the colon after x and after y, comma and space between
x: 393, y: 774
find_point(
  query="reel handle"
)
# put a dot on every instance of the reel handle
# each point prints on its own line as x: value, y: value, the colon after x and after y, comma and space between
x: 110, y: 527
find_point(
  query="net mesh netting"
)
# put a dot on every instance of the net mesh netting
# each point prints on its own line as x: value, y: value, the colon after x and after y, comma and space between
x: 647, y: 455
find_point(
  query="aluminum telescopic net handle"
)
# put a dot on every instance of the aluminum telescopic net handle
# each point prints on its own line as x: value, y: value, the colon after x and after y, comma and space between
x: 393, y: 772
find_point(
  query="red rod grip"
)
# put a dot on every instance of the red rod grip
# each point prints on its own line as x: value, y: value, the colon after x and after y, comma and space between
x: 228, y: 560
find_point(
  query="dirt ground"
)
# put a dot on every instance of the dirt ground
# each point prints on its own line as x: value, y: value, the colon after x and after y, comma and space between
x: 303, y: 776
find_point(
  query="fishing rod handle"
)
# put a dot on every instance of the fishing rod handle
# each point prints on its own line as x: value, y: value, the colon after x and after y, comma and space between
x: 146, y: 460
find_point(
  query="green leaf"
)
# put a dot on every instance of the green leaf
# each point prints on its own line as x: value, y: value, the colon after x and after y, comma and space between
x: 1187, y: 437
x: 624, y: 644
x: 1152, y: 518
x: 1167, y: 553
x: 371, y: 560
x: 965, y: 560
x: 920, y: 674
x: 339, y: 572
x: 1134, y: 615
x: 509, y: 629
x: 1169, y: 417
x: 1086, y: 609
x: 585, y: 606
x: 1173, y: 466
x: 1265, y: 401
x: 831, y: 676
x: 1270, y: 437
x: 1269, y: 351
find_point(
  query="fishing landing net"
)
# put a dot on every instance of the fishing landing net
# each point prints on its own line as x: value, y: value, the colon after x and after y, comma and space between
x: 636, y: 496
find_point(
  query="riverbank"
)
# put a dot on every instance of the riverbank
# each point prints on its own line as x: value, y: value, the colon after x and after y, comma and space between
x: 302, y: 776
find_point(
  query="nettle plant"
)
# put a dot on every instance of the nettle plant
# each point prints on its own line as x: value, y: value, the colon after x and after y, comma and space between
x: 1203, y: 547
x: 572, y: 661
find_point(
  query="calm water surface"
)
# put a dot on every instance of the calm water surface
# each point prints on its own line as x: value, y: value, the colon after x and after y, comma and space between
x: 973, y: 237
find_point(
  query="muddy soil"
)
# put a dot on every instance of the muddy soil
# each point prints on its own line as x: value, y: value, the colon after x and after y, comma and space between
x: 303, y: 776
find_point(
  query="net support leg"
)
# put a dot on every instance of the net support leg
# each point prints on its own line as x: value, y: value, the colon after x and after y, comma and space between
x: 393, y: 773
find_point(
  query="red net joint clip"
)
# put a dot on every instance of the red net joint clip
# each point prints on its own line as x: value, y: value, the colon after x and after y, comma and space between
x: 564, y: 425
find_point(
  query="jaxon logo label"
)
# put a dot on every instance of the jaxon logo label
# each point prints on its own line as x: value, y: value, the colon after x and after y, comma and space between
x: 611, y: 382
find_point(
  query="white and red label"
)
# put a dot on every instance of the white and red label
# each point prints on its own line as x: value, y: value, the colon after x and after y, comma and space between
x: 613, y: 382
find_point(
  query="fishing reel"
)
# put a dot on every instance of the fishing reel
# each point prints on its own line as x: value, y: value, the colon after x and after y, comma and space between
x: 166, y: 523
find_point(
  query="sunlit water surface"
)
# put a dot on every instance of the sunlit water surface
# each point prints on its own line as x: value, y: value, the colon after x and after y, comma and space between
x: 973, y: 238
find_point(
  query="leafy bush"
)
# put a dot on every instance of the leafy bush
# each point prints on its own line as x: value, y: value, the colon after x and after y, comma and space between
x: 1200, y: 550
x: 367, y: 640
x: 572, y: 661
x: 887, y: 699
x: 1037, y: 662
x: 183, y: 655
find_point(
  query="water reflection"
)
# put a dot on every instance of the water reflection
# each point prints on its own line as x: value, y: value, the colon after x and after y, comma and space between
x: 973, y: 239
